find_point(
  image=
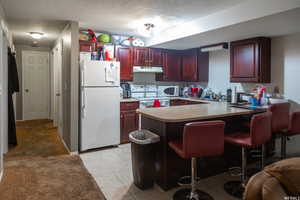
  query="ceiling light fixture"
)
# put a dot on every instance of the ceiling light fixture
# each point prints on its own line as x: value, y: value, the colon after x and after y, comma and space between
x: 147, y: 30
x: 36, y: 35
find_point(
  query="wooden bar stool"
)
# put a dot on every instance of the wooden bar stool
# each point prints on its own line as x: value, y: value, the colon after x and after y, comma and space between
x: 200, y: 139
x: 294, y: 129
x: 259, y: 134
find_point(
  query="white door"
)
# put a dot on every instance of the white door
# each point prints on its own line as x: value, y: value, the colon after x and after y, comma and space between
x: 36, y: 85
x: 57, y: 58
x: 100, y: 117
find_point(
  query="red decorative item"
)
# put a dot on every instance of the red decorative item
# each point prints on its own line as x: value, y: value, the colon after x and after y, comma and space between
x: 107, y: 56
x: 156, y: 103
x: 92, y: 35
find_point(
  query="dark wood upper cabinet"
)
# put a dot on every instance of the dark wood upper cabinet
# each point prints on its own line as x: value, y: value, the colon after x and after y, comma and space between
x: 155, y: 57
x: 190, y: 65
x: 141, y: 56
x: 125, y: 56
x: 147, y: 57
x: 172, y: 65
x: 250, y: 60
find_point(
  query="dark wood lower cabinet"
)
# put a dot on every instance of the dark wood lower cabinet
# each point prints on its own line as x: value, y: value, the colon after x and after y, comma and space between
x: 129, y: 120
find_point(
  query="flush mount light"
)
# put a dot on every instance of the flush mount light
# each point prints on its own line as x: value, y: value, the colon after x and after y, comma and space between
x: 36, y: 35
x: 147, y: 30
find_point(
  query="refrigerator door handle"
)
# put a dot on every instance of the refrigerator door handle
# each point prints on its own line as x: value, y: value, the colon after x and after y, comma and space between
x: 83, y: 100
x: 82, y: 74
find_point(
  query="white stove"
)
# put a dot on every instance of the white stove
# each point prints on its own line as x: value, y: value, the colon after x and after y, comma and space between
x: 148, y: 102
x: 148, y: 93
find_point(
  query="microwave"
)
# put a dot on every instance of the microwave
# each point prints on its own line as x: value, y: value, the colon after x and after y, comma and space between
x: 168, y: 91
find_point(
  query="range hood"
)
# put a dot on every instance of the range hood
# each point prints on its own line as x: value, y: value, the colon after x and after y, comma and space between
x: 147, y: 69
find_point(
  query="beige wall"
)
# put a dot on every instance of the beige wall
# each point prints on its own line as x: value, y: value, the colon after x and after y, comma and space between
x: 285, y: 65
x: 5, y: 41
x: 70, y: 84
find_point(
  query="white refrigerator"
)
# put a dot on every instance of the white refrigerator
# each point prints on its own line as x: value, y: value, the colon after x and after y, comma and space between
x: 100, y: 104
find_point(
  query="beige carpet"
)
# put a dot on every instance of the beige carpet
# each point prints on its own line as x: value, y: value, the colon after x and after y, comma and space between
x: 40, y: 168
x: 52, y: 178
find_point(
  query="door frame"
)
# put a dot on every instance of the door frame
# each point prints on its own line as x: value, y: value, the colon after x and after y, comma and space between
x: 23, y: 81
x: 57, y: 80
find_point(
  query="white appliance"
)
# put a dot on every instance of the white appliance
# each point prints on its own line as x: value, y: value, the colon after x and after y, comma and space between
x: 148, y: 102
x: 168, y: 91
x: 100, y: 104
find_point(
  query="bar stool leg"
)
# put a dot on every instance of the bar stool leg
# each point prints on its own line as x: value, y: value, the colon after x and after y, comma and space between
x: 244, y: 166
x: 263, y: 154
x: 283, y: 146
x: 194, y: 175
x: 193, y: 193
x: 252, y: 171
x: 237, y: 188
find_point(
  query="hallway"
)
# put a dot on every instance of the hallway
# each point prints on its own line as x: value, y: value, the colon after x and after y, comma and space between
x: 37, y: 138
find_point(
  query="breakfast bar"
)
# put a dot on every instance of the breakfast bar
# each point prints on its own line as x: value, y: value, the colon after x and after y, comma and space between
x: 168, y: 123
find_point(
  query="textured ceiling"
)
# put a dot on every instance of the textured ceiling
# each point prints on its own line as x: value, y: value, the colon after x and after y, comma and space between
x: 280, y: 24
x: 116, y: 16
x: 21, y: 28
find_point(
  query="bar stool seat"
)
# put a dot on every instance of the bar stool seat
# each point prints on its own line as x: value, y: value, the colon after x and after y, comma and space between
x: 258, y: 135
x: 239, y: 138
x: 200, y: 139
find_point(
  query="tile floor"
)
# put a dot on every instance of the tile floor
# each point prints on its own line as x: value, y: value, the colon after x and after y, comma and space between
x: 111, y: 169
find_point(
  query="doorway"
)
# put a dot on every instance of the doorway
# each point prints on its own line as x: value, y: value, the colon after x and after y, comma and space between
x: 36, y: 85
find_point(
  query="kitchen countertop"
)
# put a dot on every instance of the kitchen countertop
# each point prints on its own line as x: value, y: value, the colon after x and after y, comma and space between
x: 129, y: 100
x: 207, y: 110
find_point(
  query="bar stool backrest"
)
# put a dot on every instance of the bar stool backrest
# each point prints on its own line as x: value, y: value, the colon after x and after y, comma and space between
x: 260, y: 129
x: 294, y: 127
x: 203, y: 138
x: 280, y: 116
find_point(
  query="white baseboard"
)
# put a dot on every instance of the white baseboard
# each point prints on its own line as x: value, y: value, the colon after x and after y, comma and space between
x: 74, y: 153
x: 62, y: 140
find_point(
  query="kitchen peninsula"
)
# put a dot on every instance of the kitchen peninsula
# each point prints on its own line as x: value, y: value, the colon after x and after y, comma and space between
x: 168, y: 123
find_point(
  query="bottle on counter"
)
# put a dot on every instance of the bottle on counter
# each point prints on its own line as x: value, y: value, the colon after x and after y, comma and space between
x: 234, y: 96
x: 228, y: 95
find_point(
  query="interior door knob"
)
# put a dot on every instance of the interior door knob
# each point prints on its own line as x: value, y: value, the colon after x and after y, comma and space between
x: 26, y: 90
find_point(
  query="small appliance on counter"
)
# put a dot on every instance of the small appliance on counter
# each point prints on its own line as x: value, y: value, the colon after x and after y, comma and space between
x: 126, y: 90
x: 168, y: 91
x: 244, y: 98
x: 191, y: 92
x: 229, y: 95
